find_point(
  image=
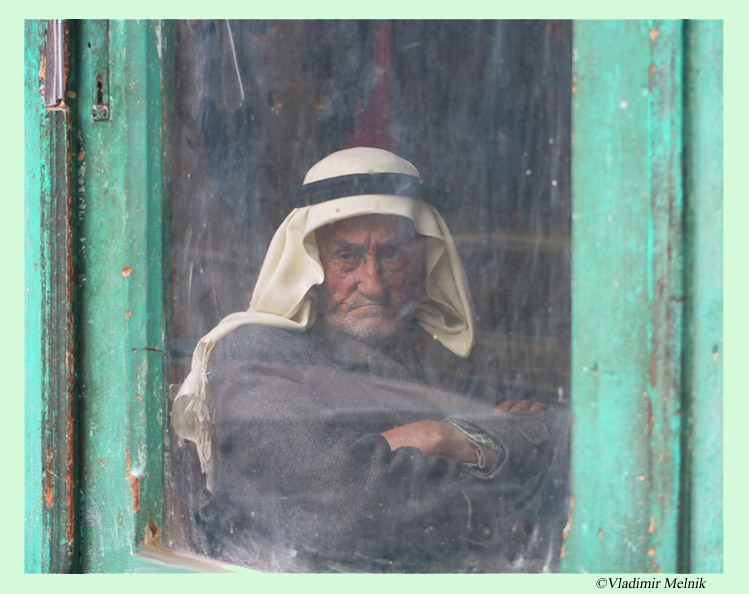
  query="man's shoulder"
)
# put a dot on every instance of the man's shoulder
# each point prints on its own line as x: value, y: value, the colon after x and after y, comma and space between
x: 257, y: 341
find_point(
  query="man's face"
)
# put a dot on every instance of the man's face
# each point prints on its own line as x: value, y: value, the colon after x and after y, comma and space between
x: 374, y: 275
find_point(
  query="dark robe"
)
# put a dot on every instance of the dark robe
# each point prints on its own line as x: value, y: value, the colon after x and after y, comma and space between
x: 304, y: 481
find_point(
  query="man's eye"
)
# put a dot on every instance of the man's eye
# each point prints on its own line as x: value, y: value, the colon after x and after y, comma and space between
x: 346, y: 256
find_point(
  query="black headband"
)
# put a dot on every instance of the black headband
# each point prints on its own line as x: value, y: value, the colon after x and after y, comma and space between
x: 357, y: 184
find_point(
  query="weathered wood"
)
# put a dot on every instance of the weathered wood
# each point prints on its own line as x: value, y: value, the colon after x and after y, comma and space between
x: 647, y: 298
x: 626, y: 297
x: 49, y: 401
x: 703, y: 480
x: 665, y: 291
x: 121, y: 330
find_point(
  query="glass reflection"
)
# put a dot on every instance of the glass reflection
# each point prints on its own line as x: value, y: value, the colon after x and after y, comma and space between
x: 310, y: 467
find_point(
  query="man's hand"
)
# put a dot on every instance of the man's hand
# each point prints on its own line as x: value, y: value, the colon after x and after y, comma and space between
x: 437, y: 437
x: 512, y: 406
x: 433, y: 437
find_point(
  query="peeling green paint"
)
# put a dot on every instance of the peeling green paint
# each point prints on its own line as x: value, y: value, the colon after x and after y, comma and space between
x: 703, y: 366
x: 630, y: 256
x: 50, y: 472
x: 120, y: 328
x: 610, y: 306
x: 35, y: 158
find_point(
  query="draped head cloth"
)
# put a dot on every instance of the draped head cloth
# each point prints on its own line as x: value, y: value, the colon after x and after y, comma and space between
x: 348, y: 183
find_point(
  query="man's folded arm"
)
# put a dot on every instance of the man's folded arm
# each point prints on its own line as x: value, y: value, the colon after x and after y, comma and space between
x: 517, y: 438
x: 288, y: 467
x: 301, y: 471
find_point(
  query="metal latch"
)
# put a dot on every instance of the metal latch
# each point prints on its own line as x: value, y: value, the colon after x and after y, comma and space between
x: 98, y: 47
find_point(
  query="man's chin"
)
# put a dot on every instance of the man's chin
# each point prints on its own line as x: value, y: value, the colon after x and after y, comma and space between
x: 366, y: 326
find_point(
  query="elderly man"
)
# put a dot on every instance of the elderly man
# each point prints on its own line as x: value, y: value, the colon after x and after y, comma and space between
x: 338, y: 422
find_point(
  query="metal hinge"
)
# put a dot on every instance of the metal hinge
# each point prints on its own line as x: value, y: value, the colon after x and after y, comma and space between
x: 54, y: 64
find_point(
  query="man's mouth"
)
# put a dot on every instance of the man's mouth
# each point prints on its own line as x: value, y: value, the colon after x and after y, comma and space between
x: 372, y: 310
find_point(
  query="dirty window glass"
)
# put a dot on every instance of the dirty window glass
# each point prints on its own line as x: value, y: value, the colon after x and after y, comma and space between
x: 311, y: 467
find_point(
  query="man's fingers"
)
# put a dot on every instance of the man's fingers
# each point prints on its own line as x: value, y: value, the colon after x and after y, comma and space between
x: 522, y: 405
x: 505, y: 406
x: 513, y: 406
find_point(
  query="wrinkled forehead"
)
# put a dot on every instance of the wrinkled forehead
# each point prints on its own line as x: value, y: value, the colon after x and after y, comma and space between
x: 389, y: 227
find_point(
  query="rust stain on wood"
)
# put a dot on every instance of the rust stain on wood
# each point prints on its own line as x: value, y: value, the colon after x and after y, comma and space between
x: 126, y: 271
x: 42, y: 72
x: 152, y: 533
x: 651, y: 554
x: 651, y: 76
x: 651, y: 419
x: 134, y: 485
x: 49, y: 491
x: 654, y: 364
x: 70, y: 486
x: 651, y: 525
x: 70, y: 465
x: 567, y: 527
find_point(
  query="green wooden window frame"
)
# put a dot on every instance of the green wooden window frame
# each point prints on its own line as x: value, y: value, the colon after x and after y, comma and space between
x: 647, y: 298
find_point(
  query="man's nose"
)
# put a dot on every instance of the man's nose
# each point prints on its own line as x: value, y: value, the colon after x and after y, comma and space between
x: 370, y: 279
